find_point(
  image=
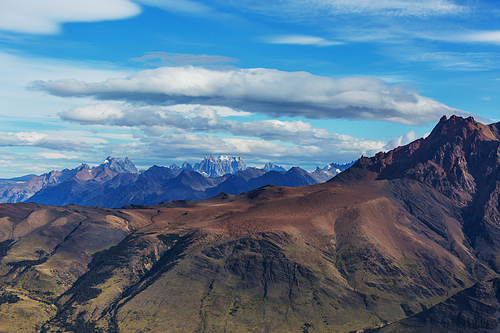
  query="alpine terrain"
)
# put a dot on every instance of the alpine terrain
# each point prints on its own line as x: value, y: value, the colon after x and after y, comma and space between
x: 405, y: 241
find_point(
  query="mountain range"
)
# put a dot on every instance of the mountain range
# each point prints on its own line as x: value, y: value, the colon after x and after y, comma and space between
x: 117, y: 183
x: 405, y: 241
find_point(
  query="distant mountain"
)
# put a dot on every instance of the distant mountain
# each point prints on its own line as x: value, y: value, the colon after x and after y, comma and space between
x: 23, y: 191
x: 157, y: 172
x: 117, y: 183
x: 273, y: 167
x: 236, y: 183
x: 119, y: 166
x: 217, y: 167
x: 105, y: 188
x: 322, y: 175
x: 337, y: 166
x: 213, y: 167
x: 292, y: 178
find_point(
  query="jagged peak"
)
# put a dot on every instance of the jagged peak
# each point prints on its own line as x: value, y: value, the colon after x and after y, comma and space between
x: 448, y: 128
x: 117, y: 165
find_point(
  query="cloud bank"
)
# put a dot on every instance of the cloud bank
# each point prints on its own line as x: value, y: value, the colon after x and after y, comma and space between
x: 266, y: 91
x: 170, y: 133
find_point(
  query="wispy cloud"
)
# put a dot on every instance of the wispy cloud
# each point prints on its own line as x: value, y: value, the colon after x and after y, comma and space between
x: 178, y: 59
x: 266, y: 91
x: 46, y: 17
x: 310, y: 10
x: 461, y: 36
x: 300, y: 40
x: 56, y: 156
x: 41, y: 140
x: 457, y: 61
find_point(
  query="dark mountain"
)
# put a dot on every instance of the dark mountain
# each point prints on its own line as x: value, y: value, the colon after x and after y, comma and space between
x: 91, y: 187
x: 291, y: 178
x: 157, y: 172
x: 236, y: 183
x: 22, y: 191
x: 87, y: 186
x: 367, y: 249
x: 105, y: 188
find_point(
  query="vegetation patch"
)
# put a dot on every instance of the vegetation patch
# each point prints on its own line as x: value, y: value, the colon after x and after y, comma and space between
x: 79, y: 324
x: 8, y: 297
x: 5, y: 247
x: 306, y: 328
x: 406, y: 308
x: 27, y: 263
x: 101, y: 269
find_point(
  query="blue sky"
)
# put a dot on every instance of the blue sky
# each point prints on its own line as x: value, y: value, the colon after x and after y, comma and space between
x: 294, y: 82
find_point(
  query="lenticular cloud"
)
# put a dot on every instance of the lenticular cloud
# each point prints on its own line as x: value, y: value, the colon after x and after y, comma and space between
x: 266, y: 91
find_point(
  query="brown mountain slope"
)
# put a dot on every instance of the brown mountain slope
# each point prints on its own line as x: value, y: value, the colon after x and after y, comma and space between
x: 277, y: 259
x: 362, y: 251
x: 460, y: 159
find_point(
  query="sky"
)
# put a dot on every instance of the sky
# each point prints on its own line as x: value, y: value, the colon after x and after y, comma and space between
x: 294, y: 82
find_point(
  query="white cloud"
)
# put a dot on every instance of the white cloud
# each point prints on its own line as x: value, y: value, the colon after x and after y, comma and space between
x: 41, y: 140
x: 401, y: 140
x: 56, y: 156
x: 492, y: 37
x: 301, y: 40
x: 94, y: 114
x: 266, y: 91
x: 47, y: 16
